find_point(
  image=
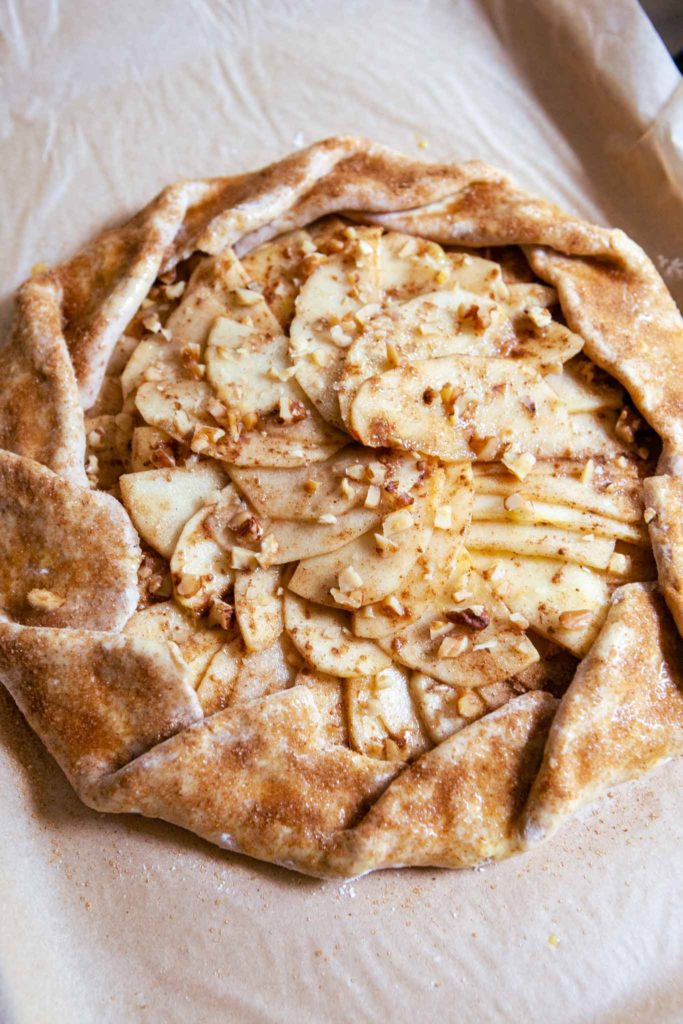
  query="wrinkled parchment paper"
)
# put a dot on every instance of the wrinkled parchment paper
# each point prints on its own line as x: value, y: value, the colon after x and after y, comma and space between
x: 109, y: 919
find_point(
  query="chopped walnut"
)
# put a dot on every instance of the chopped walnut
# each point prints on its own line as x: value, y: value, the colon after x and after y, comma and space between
x: 397, y: 522
x: 475, y: 618
x: 384, y: 545
x: 519, y: 463
x: 221, y: 614
x: 452, y: 646
x: 393, y: 606
x: 44, y: 600
x: 349, y: 580
x: 327, y: 519
x: 576, y: 619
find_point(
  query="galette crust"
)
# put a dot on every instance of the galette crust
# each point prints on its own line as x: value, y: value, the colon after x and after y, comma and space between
x: 118, y: 712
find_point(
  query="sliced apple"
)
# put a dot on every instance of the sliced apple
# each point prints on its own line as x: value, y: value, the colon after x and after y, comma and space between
x: 197, y: 642
x: 258, y: 606
x: 215, y: 289
x: 275, y: 269
x: 381, y: 717
x: 517, y: 508
x: 430, y: 326
x: 438, y: 706
x: 323, y: 637
x: 149, y: 360
x: 480, y: 276
x: 605, y: 489
x: 380, y: 565
x: 200, y: 569
x: 304, y: 541
x: 161, y: 501
x: 480, y: 647
x: 544, y: 342
x: 236, y: 675
x: 182, y: 410
x: 324, y: 324
x: 562, y: 602
x: 153, y: 448
x: 463, y: 407
x: 581, y: 392
x: 541, y: 541
x: 333, y: 487
x: 595, y: 434
x: 530, y: 295
x: 434, y: 573
x: 328, y: 694
x: 410, y: 266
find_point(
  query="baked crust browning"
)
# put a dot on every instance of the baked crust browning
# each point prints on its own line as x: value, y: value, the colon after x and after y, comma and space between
x: 97, y: 699
x: 139, y: 725
x: 69, y: 555
x: 664, y: 515
x: 621, y: 716
x: 40, y: 414
x: 255, y: 779
x: 459, y: 804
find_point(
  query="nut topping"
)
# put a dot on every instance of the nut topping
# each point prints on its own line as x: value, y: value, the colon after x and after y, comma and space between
x: 44, y: 600
x: 475, y: 618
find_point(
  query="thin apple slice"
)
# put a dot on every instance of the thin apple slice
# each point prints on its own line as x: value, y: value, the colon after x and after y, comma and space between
x: 298, y: 541
x: 153, y: 448
x: 463, y: 407
x: 605, y: 489
x: 275, y: 269
x: 480, y: 276
x: 382, y: 721
x: 580, y: 391
x: 258, y: 606
x: 595, y: 434
x: 258, y: 448
x: 200, y: 569
x: 445, y: 709
x: 562, y: 602
x: 197, y: 642
x: 547, y: 346
x: 150, y: 360
x: 236, y: 675
x: 433, y: 574
x: 430, y: 326
x: 381, y: 564
x: 323, y: 638
x: 161, y: 501
x: 517, y: 508
x: 472, y: 644
x: 542, y: 542
x: 340, y: 286
x: 333, y: 487
x: 246, y: 354
x: 409, y: 266
x: 328, y: 694
x: 210, y: 293
x: 215, y: 288
x: 182, y: 410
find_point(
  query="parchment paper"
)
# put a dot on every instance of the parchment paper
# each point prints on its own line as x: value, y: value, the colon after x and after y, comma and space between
x: 109, y: 919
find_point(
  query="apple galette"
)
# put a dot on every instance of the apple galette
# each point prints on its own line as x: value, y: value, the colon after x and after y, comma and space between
x: 366, y: 548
